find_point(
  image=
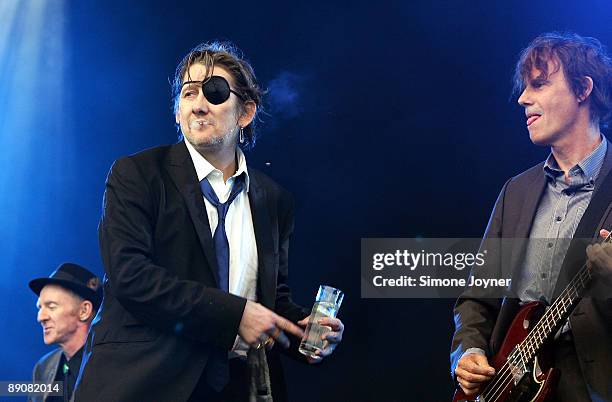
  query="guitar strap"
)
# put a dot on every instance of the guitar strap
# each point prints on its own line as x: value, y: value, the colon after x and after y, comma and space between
x: 585, y: 234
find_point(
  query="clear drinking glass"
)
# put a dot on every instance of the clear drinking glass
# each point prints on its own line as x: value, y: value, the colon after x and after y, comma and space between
x: 327, y: 304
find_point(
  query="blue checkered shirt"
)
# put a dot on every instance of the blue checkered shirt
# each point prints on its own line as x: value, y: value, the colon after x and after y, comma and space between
x: 558, y: 215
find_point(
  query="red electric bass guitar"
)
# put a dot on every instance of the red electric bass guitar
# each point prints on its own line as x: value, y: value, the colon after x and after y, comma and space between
x: 523, y: 371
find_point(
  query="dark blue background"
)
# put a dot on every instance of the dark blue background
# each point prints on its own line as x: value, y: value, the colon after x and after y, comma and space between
x: 385, y: 119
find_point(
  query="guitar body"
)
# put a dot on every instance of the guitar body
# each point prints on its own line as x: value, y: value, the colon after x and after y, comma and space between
x: 536, y: 385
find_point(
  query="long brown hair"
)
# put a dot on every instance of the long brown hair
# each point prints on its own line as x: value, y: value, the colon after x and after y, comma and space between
x: 579, y: 57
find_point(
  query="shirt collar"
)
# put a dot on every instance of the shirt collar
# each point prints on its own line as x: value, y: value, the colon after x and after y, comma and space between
x: 76, y: 357
x: 204, y: 168
x: 73, y: 364
x: 589, y: 166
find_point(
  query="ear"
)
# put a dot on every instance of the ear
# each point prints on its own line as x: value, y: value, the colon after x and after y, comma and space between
x: 249, y: 113
x: 587, y: 88
x: 85, y: 310
x: 176, y: 117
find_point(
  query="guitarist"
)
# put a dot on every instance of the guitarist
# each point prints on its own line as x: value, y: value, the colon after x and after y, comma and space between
x: 565, y: 86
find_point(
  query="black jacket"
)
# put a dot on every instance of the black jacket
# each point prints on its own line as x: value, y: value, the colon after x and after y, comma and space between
x: 163, y: 318
x: 483, y: 322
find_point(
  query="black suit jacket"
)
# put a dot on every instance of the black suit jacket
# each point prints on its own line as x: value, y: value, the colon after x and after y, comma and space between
x: 45, y: 370
x: 483, y: 322
x: 163, y: 318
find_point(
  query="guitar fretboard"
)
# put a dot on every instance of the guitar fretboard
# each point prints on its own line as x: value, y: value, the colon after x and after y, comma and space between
x: 557, y: 313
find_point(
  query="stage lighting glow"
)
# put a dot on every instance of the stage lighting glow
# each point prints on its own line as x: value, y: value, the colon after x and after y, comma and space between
x: 32, y: 107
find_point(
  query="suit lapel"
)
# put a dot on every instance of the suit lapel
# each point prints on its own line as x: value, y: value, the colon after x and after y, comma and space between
x: 586, y: 231
x: 266, y: 277
x: 534, y: 191
x: 182, y: 171
x: 51, y: 370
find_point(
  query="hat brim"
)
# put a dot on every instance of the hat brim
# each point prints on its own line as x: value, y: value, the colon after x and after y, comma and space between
x: 89, y: 294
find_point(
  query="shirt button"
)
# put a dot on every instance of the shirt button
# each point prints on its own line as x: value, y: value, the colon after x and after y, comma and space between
x: 549, y: 245
x: 559, y: 219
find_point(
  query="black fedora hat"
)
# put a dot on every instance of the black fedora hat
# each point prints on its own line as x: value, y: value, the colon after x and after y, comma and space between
x: 73, y: 277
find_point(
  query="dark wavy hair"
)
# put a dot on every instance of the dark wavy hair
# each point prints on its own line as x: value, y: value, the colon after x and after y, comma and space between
x: 579, y: 57
x: 227, y: 55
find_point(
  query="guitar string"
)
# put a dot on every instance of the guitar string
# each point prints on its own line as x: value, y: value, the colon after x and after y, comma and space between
x: 505, y: 375
x: 503, y: 372
x: 506, y: 379
x: 583, y: 274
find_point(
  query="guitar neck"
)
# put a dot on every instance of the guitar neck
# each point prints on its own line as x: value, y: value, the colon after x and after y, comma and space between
x: 558, y: 312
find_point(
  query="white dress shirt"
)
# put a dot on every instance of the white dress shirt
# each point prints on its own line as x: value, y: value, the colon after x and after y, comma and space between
x: 238, y: 227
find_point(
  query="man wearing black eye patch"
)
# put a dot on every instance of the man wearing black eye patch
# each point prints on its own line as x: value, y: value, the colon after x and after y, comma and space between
x: 559, y: 205
x: 195, y: 248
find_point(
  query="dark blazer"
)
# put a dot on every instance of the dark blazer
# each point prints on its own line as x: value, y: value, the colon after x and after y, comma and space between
x: 46, y: 370
x: 163, y: 318
x: 483, y: 322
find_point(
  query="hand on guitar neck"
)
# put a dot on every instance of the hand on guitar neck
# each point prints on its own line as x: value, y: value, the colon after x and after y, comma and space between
x: 600, y: 258
x: 472, y: 371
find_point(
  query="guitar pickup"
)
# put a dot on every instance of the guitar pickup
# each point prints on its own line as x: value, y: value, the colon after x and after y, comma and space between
x: 517, y: 365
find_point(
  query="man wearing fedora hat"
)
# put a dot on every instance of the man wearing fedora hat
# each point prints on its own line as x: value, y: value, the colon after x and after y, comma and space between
x: 67, y: 302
